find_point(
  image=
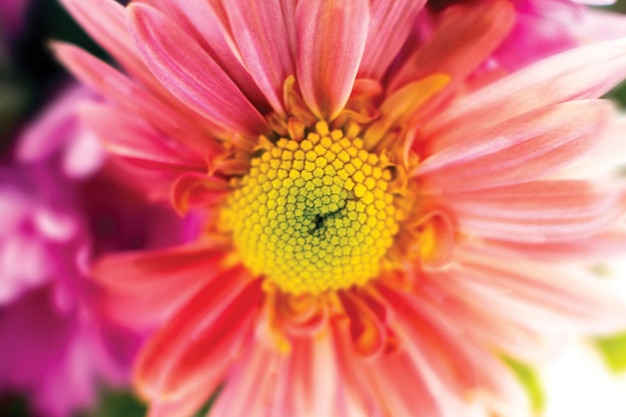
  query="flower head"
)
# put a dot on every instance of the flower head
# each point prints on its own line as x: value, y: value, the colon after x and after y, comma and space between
x: 382, y: 220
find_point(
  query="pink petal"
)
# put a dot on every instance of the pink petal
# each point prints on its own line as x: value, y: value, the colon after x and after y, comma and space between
x: 331, y: 39
x: 309, y: 380
x: 164, y: 278
x: 197, y: 346
x: 582, y: 73
x: 400, y: 387
x: 149, y: 270
x: 206, y: 22
x: 251, y: 384
x: 482, y: 325
x: 450, y: 360
x: 518, y: 150
x: 537, y: 211
x: 136, y: 100
x: 391, y: 23
x: 464, y: 39
x: 190, y: 74
x: 134, y: 139
x: 536, y: 296
x: 261, y: 35
x: 596, y: 248
x: 106, y: 23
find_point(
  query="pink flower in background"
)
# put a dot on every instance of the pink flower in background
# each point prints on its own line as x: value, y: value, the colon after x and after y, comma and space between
x: 58, y: 208
x: 383, y: 220
x: 542, y: 28
x: 546, y: 27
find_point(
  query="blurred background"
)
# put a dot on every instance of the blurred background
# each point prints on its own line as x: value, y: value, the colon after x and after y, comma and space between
x: 588, y: 380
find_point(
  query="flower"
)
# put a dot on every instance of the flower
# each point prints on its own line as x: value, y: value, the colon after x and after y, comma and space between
x: 58, y: 344
x: 382, y: 220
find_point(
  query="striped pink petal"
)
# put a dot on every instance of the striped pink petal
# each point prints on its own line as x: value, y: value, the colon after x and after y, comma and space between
x: 190, y: 74
x: 261, y: 35
x: 180, y: 125
x: 331, y: 38
x: 519, y: 150
x: 250, y: 391
x: 537, y: 211
x: 218, y: 318
x: 164, y: 279
x: 582, y: 73
x: 205, y: 21
x: 390, y: 25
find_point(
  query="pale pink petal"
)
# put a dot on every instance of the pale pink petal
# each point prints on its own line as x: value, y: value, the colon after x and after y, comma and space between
x: 603, y: 162
x: 197, y: 346
x: 596, y: 248
x: 134, y: 139
x: 596, y: 25
x: 482, y: 325
x: 519, y: 150
x: 434, y: 339
x: 582, y: 73
x: 391, y: 23
x: 331, y: 38
x: 309, y: 379
x: 464, y: 39
x: 260, y: 33
x: 537, y: 211
x: 190, y: 74
x: 251, y: 384
x: 537, y: 296
x: 83, y: 157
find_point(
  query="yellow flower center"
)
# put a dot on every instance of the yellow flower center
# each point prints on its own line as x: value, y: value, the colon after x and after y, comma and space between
x: 315, y: 215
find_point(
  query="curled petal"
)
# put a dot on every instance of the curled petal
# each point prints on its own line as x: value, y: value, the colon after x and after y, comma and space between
x: 367, y: 330
x: 197, y: 189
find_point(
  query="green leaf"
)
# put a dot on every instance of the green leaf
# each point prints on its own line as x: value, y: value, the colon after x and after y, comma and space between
x: 613, y: 350
x: 117, y: 404
x: 531, y: 382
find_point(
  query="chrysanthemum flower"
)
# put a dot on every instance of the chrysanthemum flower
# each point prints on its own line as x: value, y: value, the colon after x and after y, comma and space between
x: 58, y: 347
x: 383, y: 221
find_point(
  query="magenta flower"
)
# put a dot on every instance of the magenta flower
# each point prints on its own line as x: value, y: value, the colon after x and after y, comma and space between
x: 383, y: 220
x: 58, y: 344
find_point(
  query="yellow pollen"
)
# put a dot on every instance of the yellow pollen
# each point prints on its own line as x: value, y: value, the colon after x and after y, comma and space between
x: 313, y: 216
